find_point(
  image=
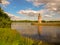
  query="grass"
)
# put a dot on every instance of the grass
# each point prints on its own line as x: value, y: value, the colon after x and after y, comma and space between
x: 12, y: 37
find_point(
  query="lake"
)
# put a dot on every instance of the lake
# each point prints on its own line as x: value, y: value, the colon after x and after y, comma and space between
x: 45, y: 33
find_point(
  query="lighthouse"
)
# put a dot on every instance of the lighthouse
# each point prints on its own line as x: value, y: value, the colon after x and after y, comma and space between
x: 39, y: 18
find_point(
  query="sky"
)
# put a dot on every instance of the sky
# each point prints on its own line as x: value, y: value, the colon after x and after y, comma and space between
x: 29, y: 9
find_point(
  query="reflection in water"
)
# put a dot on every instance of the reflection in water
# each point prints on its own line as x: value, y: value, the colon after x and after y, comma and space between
x: 47, y: 33
x: 39, y: 30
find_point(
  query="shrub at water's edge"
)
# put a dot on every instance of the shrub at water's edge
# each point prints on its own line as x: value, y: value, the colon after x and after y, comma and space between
x: 4, y: 19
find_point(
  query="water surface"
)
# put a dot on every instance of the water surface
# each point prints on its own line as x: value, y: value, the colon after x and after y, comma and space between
x: 45, y: 33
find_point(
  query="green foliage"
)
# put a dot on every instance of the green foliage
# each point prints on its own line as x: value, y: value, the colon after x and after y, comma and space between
x: 4, y: 19
x: 12, y: 37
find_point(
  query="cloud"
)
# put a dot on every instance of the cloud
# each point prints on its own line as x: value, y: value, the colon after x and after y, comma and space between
x: 51, y: 5
x: 35, y: 2
x: 13, y: 17
x: 43, y: 12
x: 30, y: 12
x: 5, y: 2
x: 48, y: 15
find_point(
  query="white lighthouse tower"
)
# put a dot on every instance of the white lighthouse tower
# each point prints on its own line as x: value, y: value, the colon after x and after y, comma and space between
x: 39, y: 18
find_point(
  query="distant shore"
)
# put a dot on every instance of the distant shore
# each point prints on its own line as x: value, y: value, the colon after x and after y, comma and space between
x: 43, y: 21
x: 46, y: 24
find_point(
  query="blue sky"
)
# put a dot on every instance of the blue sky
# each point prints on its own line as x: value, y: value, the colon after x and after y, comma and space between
x: 21, y: 9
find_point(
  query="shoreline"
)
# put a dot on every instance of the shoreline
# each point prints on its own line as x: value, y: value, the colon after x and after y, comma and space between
x: 46, y: 24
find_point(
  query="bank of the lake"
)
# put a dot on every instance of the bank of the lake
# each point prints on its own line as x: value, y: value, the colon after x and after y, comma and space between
x: 46, y: 24
x: 12, y: 37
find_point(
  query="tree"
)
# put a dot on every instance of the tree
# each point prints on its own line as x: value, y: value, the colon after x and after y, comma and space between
x: 4, y: 19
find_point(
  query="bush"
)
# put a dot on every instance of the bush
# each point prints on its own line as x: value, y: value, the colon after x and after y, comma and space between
x: 4, y: 19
